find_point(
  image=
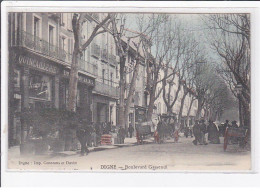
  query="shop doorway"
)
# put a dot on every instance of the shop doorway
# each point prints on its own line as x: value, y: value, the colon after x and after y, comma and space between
x: 102, y: 112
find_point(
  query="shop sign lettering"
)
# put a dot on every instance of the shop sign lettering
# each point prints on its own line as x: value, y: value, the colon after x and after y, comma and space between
x: 81, y: 78
x: 25, y: 60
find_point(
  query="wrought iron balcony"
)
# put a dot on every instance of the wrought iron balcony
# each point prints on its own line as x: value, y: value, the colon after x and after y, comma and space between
x: 104, y: 55
x: 87, y: 67
x: 112, y: 59
x: 95, y: 50
x: 106, y: 89
x: 35, y: 43
x: 43, y: 47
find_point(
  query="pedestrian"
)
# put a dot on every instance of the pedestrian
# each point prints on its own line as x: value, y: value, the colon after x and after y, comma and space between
x: 130, y: 130
x: 94, y: 135
x: 176, y: 136
x: 213, y: 134
x: 82, y: 137
x: 234, y: 124
x: 98, y: 133
x: 203, y: 129
x: 104, y: 128
x: 234, y: 140
x: 172, y: 127
x: 226, y: 125
x: 89, y: 131
x: 197, y: 133
x: 165, y: 128
x: 108, y: 127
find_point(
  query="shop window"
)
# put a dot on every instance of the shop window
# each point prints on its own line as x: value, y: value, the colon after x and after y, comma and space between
x: 40, y: 87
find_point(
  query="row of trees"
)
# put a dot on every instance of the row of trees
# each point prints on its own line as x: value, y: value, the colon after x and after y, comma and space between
x: 230, y: 39
x: 170, y: 53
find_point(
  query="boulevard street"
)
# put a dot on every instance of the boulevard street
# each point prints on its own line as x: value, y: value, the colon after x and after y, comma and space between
x: 180, y: 156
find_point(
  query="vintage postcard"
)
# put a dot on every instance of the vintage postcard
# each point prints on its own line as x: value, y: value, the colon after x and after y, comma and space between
x: 99, y: 91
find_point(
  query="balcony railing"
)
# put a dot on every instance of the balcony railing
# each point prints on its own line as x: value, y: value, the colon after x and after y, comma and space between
x: 35, y: 43
x: 112, y: 59
x: 95, y: 50
x: 104, y: 55
x: 106, y: 89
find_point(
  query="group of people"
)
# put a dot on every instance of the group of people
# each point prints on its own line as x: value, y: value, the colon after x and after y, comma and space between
x: 222, y: 127
x: 166, y: 128
x: 90, y: 134
x: 200, y: 129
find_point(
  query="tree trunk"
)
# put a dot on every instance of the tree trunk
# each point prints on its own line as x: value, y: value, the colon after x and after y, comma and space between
x: 131, y: 92
x: 151, y: 105
x: 73, y: 82
x: 121, y: 119
x: 188, y: 114
x: 181, y: 108
x: 199, y: 108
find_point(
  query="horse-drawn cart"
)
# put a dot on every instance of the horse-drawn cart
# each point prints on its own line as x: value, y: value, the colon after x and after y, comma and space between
x: 238, y: 135
x: 144, y: 130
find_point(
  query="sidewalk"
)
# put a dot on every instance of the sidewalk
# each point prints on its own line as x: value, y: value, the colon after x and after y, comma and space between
x: 15, y: 151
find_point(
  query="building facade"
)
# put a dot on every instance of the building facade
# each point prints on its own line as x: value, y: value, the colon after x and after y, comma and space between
x: 40, y: 56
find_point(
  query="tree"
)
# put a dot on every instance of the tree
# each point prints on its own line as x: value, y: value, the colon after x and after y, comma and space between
x: 157, y: 57
x: 127, y: 42
x: 186, y: 53
x: 203, y: 81
x: 230, y: 34
x: 79, y: 47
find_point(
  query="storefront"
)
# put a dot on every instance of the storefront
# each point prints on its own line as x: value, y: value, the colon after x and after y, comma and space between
x: 36, y: 83
x: 84, y: 93
x: 31, y: 86
x: 100, y: 108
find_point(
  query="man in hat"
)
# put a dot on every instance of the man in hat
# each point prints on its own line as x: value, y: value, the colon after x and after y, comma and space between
x: 234, y: 124
x: 223, y: 130
x: 82, y: 137
x: 213, y: 134
x: 130, y: 130
x: 203, y: 129
x: 197, y: 133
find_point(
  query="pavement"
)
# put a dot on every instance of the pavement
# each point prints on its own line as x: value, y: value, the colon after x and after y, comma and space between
x: 181, y: 156
x: 14, y: 151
